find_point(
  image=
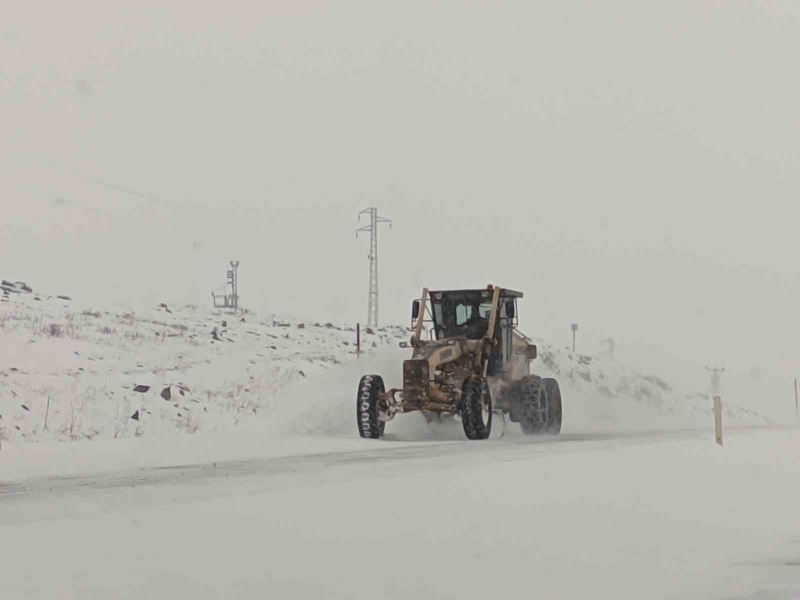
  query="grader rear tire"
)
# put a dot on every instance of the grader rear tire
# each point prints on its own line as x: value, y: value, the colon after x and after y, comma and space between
x: 528, y: 400
x: 554, y: 412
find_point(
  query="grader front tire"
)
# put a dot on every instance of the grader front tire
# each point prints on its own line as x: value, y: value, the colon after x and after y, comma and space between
x: 370, y: 389
x: 476, y: 410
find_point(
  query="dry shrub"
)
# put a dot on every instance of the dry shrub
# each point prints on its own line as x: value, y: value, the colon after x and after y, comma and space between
x: 55, y: 330
x: 188, y: 423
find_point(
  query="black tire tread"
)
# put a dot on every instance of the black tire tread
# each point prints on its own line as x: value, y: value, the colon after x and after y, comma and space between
x: 471, y: 411
x: 369, y: 390
x: 554, y: 407
x: 528, y: 400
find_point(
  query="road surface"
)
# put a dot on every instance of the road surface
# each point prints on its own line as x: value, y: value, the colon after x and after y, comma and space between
x: 640, y: 514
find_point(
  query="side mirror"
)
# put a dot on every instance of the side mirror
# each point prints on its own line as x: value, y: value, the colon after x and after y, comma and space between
x: 511, y: 310
x: 404, y: 344
x: 415, y: 309
x: 531, y: 352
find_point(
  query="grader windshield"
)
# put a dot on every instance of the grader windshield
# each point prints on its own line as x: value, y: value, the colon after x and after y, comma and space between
x: 461, y: 313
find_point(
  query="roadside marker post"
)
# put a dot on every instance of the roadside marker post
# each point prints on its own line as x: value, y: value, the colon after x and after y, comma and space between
x: 718, y: 419
x: 715, y: 391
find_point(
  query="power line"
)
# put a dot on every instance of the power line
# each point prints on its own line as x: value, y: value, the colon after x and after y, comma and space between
x: 152, y: 199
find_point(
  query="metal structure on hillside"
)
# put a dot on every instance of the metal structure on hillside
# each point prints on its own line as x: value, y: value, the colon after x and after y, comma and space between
x: 372, y: 229
x: 229, y: 300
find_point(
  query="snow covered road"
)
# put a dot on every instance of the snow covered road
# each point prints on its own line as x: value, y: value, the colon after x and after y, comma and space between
x: 587, y: 515
x: 633, y: 500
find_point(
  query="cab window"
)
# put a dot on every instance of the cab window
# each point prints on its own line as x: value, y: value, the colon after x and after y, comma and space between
x: 463, y: 313
x: 485, y: 310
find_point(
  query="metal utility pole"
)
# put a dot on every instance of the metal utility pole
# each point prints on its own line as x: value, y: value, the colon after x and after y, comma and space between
x: 229, y: 300
x: 372, y: 228
x: 611, y: 347
x: 574, y: 331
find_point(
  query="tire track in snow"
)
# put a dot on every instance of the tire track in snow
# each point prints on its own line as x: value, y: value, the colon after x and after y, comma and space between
x: 45, y: 498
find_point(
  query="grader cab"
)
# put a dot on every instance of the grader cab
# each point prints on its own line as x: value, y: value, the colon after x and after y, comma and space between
x: 473, y: 363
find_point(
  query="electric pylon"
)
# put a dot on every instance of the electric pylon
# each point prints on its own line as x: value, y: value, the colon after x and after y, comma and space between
x: 372, y: 228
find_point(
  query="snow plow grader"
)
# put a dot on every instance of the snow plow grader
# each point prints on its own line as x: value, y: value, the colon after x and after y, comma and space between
x: 475, y: 363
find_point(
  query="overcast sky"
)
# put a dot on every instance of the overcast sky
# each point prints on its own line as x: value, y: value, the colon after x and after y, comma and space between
x: 630, y: 165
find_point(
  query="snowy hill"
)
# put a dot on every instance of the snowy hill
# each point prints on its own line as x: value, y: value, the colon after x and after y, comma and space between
x: 72, y: 372
x: 69, y: 372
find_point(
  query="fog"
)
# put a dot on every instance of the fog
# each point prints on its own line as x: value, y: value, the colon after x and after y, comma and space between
x: 631, y: 166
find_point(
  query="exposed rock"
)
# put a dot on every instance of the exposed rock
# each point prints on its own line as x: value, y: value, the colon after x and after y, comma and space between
x: 14, y: 287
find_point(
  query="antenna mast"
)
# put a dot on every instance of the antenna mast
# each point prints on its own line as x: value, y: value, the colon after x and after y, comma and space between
x: 229, y: 300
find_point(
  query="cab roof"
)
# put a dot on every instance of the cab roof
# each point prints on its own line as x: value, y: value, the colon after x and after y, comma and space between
x: 504, y: 292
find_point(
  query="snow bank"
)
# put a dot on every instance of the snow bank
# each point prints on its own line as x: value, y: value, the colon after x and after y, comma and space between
x: 70, y: 373
x: 602, y: 395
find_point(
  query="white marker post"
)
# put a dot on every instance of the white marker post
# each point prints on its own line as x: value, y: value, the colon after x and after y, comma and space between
x: 574, y: 328
x: 715, y: 375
